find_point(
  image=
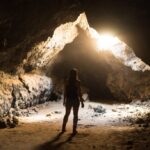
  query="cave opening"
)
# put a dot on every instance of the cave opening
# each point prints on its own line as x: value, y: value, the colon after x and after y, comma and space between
x: 93, y: 68
x: 104, y: 70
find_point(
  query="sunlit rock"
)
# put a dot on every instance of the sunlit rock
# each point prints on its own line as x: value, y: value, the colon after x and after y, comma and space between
x: 24, y: 91
x: 45, y: 52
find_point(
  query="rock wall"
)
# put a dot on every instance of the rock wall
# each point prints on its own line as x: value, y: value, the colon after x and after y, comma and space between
x: 23, y: 91
x: 25, y: 23
x: 127, y: 84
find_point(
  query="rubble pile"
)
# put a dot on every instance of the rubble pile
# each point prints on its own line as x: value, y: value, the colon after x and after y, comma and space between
x: 141, y: 113
x: 8, y: 121
x: 136, y: 113
x: 98, y: 109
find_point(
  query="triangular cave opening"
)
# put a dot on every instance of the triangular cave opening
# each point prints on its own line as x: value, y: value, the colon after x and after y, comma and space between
x: 93, y: 67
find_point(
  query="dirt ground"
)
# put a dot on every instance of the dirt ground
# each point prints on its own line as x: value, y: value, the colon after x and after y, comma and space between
x: 46, y: 135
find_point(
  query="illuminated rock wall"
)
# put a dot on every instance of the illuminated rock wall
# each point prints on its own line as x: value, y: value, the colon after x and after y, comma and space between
x: 24, y: 91
x: 44, y: 52
x: 127, y: 84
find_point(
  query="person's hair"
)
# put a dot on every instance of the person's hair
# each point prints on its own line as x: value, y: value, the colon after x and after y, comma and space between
x: 73, y: 76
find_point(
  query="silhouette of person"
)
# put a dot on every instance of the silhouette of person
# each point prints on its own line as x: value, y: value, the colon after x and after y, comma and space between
x: 72, y: 99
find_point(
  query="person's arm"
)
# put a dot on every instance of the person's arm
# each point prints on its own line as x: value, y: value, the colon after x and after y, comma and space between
x: 64, y: 101
x: 80, y: 96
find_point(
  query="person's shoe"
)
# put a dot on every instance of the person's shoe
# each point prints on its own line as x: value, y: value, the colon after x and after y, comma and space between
x: 63, y: 130
x: 74, y: 132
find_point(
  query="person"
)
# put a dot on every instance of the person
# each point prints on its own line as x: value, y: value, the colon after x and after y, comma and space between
x: 72, y: 99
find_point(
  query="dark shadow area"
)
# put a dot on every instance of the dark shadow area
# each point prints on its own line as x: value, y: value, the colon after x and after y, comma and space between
x: 54, y: 144
x: 125, y: 138
x: 25, y: 23
x: 136, y: 139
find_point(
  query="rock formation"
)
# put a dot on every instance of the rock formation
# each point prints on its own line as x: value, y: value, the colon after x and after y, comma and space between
x: 28, y: 55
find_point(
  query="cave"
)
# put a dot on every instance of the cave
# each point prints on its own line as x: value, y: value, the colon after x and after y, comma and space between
x: 84, y: 56
x: 41, y: 41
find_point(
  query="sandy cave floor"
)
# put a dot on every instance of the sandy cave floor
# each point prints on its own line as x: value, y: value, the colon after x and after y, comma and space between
x: 101, y: 126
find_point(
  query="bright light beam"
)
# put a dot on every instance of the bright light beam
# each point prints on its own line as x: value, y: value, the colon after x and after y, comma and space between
x: 106, y: 42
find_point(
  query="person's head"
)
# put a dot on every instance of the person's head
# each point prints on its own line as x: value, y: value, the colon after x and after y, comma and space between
x: 73, y: 76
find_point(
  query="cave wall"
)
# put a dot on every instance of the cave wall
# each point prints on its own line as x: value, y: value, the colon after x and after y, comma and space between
x: 25, y: 23
x: 127, y: 84
x: 22, y: 92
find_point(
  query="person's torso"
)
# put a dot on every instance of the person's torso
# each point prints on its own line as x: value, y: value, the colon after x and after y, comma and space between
x: 72, y: 91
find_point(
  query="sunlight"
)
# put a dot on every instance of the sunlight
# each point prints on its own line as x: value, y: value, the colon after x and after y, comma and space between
x: 106, y: 42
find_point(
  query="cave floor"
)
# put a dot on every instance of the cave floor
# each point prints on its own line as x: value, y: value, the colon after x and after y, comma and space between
x: 96, y: 130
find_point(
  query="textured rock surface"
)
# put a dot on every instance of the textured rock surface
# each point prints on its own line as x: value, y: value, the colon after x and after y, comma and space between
x: 127, y: 84
x: 25, y: 23
x: 22, y: 92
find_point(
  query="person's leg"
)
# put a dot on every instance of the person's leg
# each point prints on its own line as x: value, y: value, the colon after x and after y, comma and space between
x: 65, y: 120
x: 75, y: 119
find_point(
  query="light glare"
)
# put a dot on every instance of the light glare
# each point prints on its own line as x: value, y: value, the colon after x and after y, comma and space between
x: 106, y: 42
